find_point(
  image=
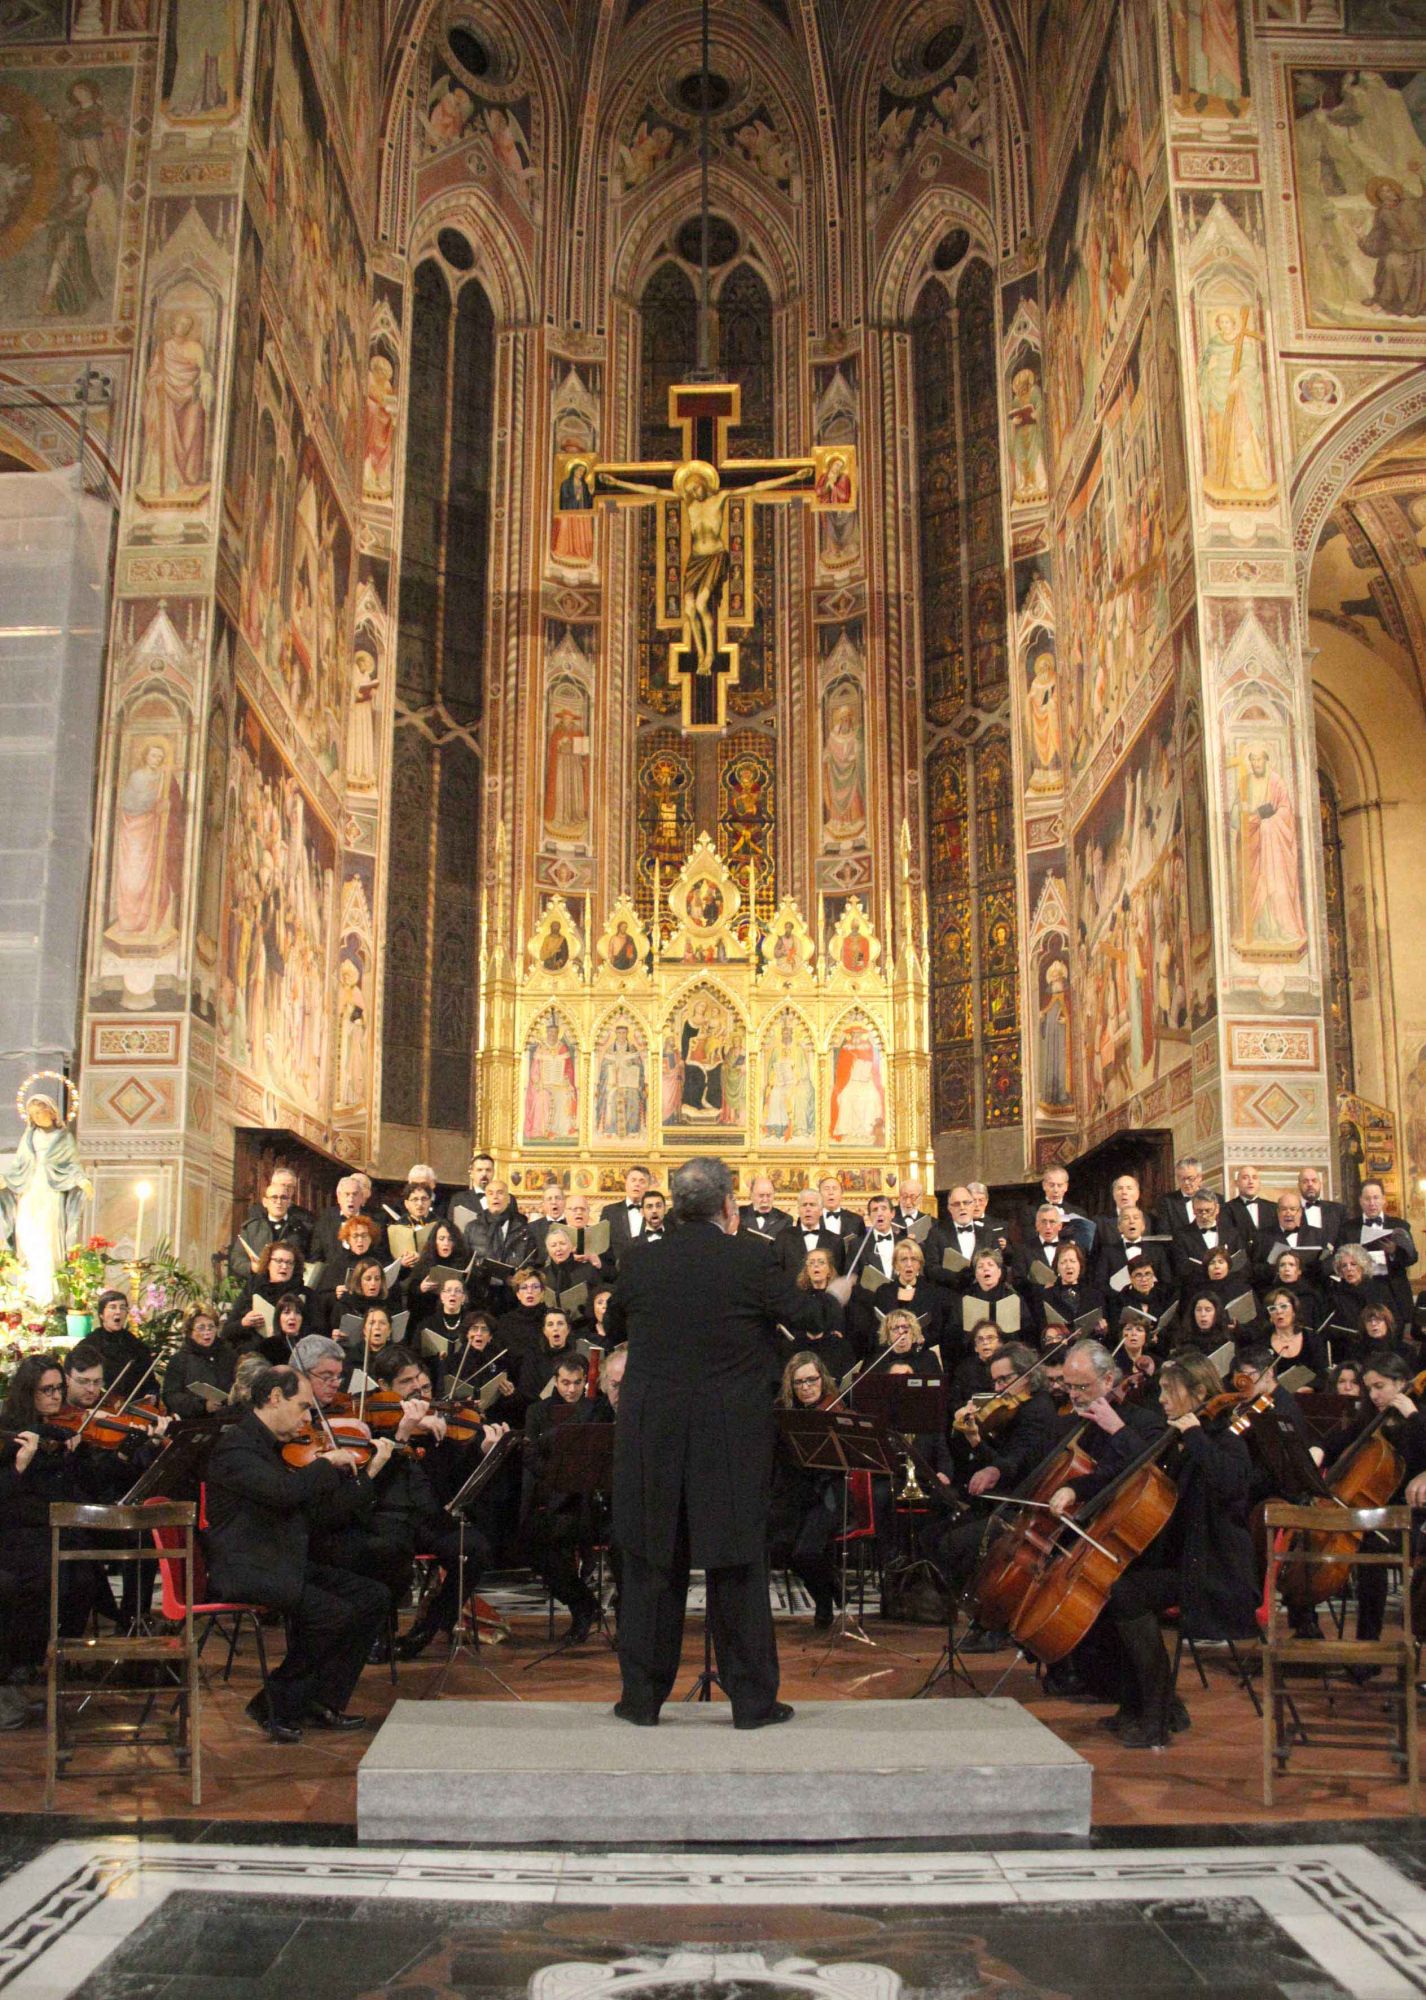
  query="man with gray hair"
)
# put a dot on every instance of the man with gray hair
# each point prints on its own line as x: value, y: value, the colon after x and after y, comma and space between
x: 353, y: 1194
x: 693, y: 1449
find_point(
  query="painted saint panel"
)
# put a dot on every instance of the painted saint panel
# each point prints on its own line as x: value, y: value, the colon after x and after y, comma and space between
x: 704, y: 1082
x: 63, y: 144
x: 787, y: 1115
x: 551, y: 1103
x: 857, y: 1117
x: 621, y: 1083
x: 1131, y: 895
x: 1359, y: 137
x: 273, y: 1012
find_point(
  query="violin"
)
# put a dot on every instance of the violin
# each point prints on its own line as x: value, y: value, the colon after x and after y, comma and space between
x: 106, y: 1430
x: 42, y: 1428
x: 994, y: 1415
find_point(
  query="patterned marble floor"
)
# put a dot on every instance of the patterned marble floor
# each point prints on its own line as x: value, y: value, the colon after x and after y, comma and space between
x: 121, y: 1919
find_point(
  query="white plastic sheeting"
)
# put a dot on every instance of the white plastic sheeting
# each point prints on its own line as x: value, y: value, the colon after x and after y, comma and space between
x: 54, y: 558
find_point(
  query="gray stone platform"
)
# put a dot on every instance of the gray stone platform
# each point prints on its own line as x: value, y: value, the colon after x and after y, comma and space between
x: 841, y: 1770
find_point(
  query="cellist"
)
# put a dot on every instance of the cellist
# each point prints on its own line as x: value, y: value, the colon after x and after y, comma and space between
x: 1387, y: 1379
x: 1113, y: 1438
x: 1202, y: 1561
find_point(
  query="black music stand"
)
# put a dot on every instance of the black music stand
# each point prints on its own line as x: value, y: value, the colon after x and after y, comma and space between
x: 458, y: 1507
x: 177, y: 1471
x: 579, y: 1462
x: 840, y: 1441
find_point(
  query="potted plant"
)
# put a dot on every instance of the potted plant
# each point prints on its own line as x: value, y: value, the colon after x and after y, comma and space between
x: 81, y: 1279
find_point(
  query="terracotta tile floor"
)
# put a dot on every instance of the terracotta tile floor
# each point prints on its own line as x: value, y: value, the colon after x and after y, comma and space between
x: 1209, y: 1776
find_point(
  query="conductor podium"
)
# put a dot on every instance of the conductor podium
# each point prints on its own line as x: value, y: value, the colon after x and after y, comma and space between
x: 840, y: 1770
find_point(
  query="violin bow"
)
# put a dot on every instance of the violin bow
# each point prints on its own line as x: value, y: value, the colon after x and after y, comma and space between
x: 865, y: 1375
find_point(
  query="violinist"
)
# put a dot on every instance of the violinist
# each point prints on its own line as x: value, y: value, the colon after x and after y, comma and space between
x: 261, y: 1513
x: 411, y: 1500
x: 1202, y: 1561
x: 118, y: 1344
x: 1346, y: 1380
x: 202, y: 1359
x: 611, y: 1383
x: 559, y: 1528
x: 38, y: 1465
x: 824, y: 1324
x: 806, y: 1506
x: 110, y: 1473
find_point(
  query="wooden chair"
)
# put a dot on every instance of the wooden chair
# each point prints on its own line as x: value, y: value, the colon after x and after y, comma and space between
x: 120, y: 1535
x: 1393, y: 1656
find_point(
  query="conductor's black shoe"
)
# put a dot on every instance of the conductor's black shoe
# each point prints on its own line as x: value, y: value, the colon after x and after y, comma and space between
x: 642, y: 1718
x: 1142, y: 1735
x: 256, y: 1710
x: 781, y: 1711
x: 283, y: 1732
x: 1179, y: 1718
x: 414, y: 1643
x: 322, y: 1717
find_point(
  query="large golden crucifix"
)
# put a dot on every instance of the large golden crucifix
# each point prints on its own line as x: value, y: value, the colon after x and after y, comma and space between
x: 705, y: 544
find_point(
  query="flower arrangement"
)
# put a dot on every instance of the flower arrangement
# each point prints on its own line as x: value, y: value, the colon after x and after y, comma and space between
x: 82, y: 1275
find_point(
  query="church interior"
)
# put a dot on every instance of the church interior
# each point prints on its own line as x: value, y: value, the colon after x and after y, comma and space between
x: 598, y: 591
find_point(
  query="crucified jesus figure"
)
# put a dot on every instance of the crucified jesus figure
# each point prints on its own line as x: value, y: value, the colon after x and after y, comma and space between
x: 703, y: 504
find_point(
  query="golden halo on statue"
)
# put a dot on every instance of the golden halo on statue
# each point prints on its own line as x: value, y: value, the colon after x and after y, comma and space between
x: 48, y: 1076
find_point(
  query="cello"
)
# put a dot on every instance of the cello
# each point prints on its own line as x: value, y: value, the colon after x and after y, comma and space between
x: 1366, y: 1475
x: 1075, y: 1566
x: 1008, y: 1562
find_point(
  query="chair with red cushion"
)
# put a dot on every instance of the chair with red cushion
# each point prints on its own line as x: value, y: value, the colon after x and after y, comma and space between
x: 213, y: 1611
x: 860, y: 1532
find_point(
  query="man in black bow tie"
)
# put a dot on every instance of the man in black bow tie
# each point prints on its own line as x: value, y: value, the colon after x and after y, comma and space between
x: 626, y: 1217
x: 808, y: 1233
x: 758, y: 1215
x: 883, y: 1235
x: 845, y: 1226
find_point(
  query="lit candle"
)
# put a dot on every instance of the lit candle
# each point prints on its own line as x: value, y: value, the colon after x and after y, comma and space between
x: 144, y: 1191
